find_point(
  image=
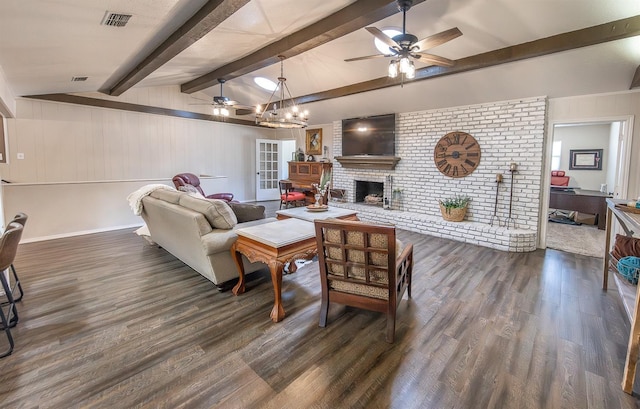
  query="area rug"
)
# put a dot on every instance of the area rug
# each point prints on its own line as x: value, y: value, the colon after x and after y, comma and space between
x: 584, y: 239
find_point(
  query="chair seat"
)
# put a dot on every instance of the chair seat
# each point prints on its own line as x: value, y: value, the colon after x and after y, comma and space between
x: 293, y: 196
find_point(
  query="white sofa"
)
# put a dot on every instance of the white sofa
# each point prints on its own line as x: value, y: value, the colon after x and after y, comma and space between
x: 190, y: 228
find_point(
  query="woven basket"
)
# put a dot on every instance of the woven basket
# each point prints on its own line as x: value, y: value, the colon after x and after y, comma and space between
x: 453, y: 214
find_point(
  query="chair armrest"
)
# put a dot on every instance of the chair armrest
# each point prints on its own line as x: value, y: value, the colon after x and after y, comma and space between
x: 227, y: 197
x: 407, y: 252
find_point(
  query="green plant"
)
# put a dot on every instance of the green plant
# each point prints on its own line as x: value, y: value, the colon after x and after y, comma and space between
x: 456, y: 202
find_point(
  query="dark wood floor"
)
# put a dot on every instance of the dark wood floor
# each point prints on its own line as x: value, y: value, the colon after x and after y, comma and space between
x: 109, y: 321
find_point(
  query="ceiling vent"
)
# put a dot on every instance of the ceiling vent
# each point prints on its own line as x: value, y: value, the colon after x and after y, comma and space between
x: 79, y: 79
x: 115, y: 19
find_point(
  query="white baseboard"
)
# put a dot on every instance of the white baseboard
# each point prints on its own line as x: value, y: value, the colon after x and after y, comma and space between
x: 79, y: 233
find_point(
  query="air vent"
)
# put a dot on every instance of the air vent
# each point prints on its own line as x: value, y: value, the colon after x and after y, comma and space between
x: 115, y: 19
x: 77, y: 79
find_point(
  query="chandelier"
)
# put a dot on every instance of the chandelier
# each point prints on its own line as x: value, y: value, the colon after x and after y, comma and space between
x: 284, y: 113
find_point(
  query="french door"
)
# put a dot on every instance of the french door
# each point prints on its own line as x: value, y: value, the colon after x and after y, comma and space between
x: 268, y: 172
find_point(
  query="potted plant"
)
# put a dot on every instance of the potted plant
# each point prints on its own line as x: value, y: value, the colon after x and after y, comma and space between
x: 454, y: 208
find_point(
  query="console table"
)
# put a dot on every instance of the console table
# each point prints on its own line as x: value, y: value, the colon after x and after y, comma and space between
x: 579, y: 200
x: 630, y: 223
x: 275, y: 244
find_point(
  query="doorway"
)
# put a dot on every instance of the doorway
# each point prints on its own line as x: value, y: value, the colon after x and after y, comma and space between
x: 572, y: 231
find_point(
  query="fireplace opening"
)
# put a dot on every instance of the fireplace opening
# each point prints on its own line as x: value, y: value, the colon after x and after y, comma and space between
x: 371, y: 193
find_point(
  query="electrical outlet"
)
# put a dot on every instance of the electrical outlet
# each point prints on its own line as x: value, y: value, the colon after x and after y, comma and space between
x: 20, y: 155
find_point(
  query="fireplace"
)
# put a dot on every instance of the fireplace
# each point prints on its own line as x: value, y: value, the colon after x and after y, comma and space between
x: 371, y: 193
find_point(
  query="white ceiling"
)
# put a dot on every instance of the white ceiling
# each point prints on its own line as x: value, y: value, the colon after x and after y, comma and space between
x: 43, y: 43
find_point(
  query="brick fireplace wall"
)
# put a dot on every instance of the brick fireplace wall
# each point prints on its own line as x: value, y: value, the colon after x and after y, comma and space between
x: 507, y: 131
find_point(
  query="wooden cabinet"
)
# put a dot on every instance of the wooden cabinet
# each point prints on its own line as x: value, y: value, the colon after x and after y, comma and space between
x: 304, y: 174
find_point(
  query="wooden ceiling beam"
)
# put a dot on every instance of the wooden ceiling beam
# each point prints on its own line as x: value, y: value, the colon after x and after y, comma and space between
x: 615, y: 30
x: 635, y: 82
x: 206, y: 19
x: 349, y: 19
x: 146, y: 109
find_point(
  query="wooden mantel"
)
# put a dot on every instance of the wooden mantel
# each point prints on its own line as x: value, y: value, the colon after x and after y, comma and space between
x: 368, y: 161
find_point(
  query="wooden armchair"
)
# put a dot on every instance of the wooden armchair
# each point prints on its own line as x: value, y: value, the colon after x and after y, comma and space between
x: 360, y: 267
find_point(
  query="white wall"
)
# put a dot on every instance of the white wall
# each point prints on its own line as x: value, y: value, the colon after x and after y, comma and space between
x: 65, y: 143
x: 7, y: 98
x: 589, y: 136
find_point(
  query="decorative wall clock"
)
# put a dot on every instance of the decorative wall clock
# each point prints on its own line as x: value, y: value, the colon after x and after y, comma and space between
x: 457, y: 154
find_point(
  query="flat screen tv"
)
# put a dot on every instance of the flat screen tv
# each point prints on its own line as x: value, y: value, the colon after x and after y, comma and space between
x: 373, y: 135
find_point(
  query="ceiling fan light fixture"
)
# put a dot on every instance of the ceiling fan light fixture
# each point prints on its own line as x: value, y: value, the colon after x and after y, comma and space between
x: 224, y: 112
x: 410, y: 73
x: 405, y: 64
x: 393, y: 69
x: 284, y: 113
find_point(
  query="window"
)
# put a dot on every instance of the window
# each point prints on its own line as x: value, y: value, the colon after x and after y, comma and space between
x: 555, y: 155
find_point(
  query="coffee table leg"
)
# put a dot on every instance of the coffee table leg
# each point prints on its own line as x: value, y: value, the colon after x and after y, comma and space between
x: 277, y: 313
x: 237, y: 257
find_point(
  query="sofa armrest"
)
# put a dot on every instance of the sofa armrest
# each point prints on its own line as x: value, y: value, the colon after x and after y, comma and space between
x: 246, y: 212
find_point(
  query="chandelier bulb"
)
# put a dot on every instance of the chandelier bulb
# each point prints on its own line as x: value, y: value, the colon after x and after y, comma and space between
x: 411, y: 71
x: 393, y: 69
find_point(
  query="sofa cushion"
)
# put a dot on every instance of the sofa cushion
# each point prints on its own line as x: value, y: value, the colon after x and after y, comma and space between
x: 246, y: 212
x: 171, y: 196
x: 217, y: 212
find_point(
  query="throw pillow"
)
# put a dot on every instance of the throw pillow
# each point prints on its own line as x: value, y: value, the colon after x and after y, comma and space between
x: 625, y: 246
x: 246, y: 212
x: 217, y: 212
x: 191, y: 191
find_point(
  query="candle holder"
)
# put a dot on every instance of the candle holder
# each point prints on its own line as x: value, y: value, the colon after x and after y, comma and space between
x: 513, y: 168
x: 494, y: 217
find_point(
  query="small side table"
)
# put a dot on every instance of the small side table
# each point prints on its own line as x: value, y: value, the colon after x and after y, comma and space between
x: 275, y: 244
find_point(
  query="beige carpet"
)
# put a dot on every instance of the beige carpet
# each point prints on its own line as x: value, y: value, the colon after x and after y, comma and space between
x: 584, y: 239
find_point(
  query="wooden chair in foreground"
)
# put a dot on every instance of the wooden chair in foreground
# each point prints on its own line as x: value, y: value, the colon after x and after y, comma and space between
x: 361, y: 266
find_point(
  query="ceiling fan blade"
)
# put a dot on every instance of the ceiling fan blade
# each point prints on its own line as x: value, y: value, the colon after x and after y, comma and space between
x: 437, y: 39
x: 382, y: 37
x: 434, y: 59
x: 366, y: 57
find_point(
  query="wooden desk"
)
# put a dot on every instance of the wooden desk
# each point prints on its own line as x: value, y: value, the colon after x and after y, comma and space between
x: 585, y: 201
x: 630, y: 223
x: 275, y: 244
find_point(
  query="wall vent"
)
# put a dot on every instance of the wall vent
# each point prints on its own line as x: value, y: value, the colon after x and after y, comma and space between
x: 76, y: 79
x: 115, y: 19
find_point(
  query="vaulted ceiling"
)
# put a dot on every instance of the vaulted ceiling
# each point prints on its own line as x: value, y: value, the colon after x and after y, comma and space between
x: 509, y: 49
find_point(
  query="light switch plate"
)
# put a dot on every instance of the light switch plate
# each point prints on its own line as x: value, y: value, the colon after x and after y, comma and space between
x: 20, y: 155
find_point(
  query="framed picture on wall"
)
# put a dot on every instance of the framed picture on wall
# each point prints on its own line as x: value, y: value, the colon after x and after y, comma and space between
x: 314, y: 142
x: 585, y: 159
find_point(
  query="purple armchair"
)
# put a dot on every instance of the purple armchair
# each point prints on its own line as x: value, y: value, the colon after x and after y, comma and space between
x: 183, y: 179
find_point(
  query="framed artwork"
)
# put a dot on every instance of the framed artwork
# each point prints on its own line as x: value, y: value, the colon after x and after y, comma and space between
x: 314, y: 142
x: 585, y: 159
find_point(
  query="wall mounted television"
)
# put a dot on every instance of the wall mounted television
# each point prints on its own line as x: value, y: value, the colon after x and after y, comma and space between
x: 373, y: 135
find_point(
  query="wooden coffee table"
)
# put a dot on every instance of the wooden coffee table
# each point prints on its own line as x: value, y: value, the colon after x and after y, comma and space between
x: 303, y: 213
x: 275, y: 244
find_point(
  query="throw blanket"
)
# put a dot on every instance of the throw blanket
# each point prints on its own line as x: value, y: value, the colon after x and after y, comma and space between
x: 135, y: 198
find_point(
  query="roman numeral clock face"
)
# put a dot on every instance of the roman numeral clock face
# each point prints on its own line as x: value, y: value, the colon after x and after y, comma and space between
x: 457, y: 154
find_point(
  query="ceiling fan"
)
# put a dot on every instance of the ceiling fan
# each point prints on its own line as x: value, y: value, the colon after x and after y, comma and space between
x: 221, y: 104
x: 405, y: 45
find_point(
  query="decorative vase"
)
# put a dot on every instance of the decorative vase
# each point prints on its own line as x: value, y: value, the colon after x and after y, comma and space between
x: 318, y: 197
x: 453, y: 214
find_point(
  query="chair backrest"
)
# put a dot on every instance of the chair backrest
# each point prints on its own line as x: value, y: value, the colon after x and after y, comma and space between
x: 357, y: 258
x: 183, y: 179
x: 285, y: 186
x: 20, y: 218
x: 9, y: 244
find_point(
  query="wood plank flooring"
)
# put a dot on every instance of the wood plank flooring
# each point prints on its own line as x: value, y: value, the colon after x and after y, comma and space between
x: 109, y: 321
